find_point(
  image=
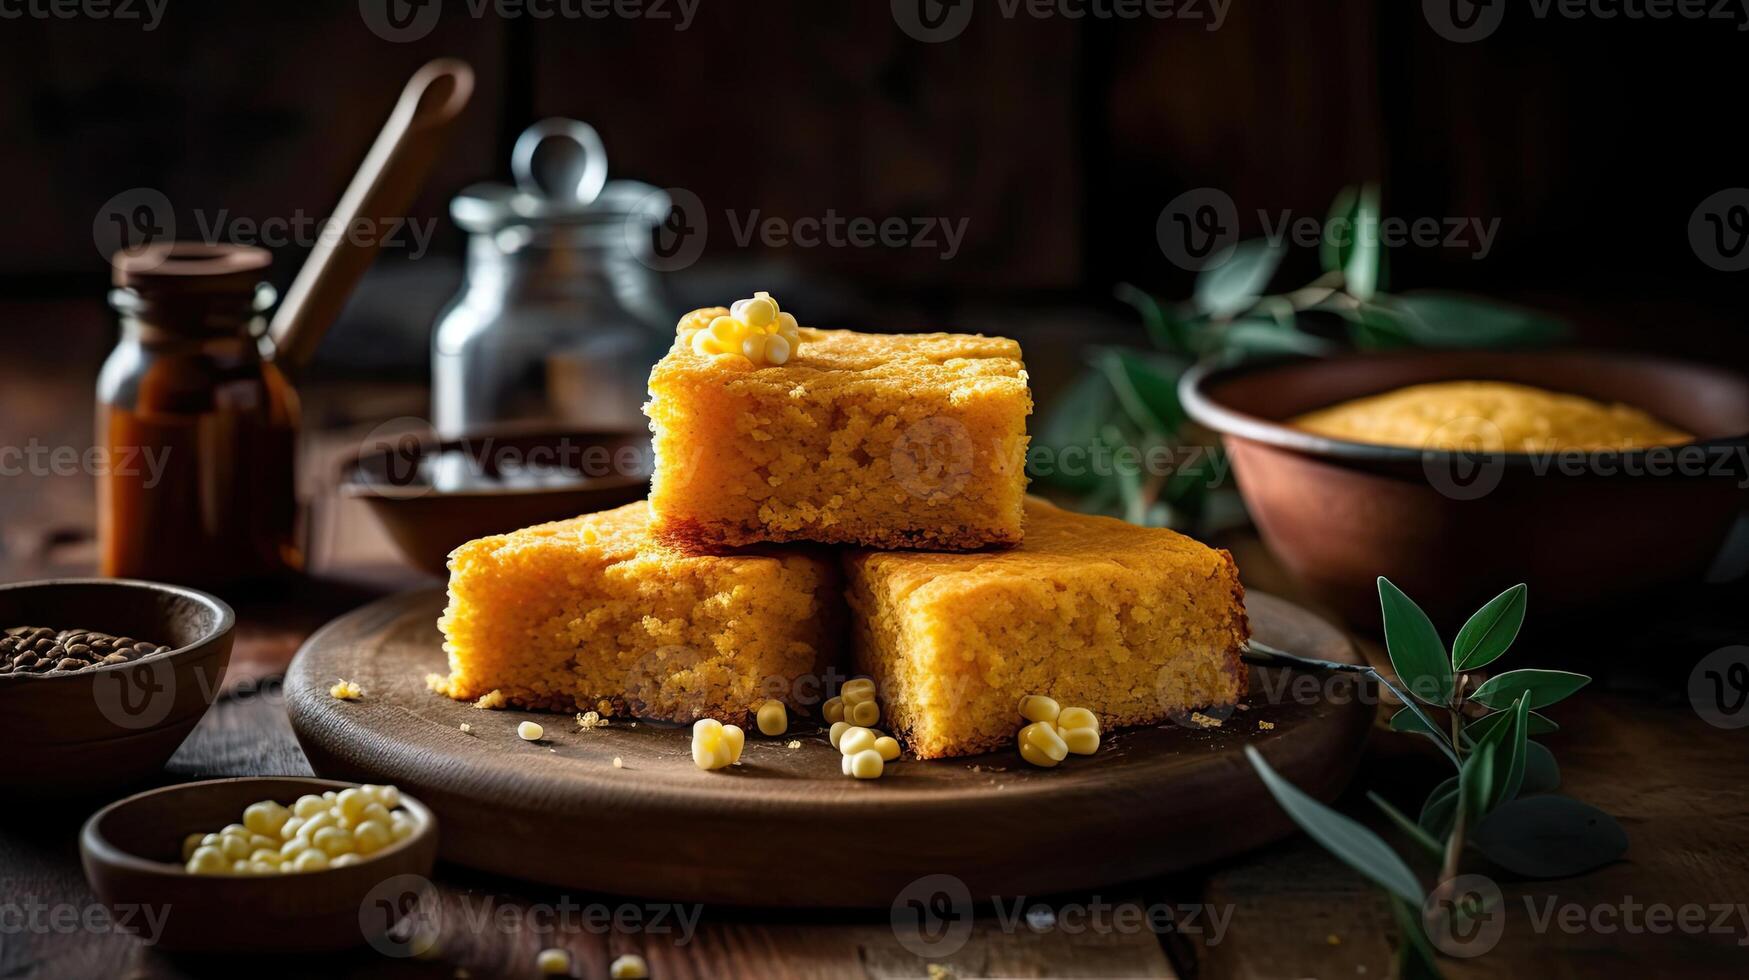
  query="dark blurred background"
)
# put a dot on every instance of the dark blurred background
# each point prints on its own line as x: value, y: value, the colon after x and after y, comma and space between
x: 1057, y: 141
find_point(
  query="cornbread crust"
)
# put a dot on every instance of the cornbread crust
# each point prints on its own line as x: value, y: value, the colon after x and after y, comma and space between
x: 1496, y: 416
x: 902, y: 441
x: 1136, y: 624
x: 568, y: 615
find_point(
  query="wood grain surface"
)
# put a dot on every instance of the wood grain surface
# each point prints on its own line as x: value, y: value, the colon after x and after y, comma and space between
x: 1152, y: 800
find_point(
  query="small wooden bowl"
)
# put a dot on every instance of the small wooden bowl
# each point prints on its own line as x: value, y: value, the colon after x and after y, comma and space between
x: 93, y: 731
x: 1454, y: 529
x: 130, y: 850
x: 433, y: 496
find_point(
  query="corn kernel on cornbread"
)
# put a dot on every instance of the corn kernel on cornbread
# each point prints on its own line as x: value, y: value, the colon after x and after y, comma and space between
x: 1495, y: 416
x: 1135, y: 624
x: 568, y: 615
x: 907, y: 441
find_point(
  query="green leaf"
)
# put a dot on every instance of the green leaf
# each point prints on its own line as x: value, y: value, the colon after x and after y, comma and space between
x: 1074, y: 420
x: 1408, y: 827
x: 1166, y: 332
x: 1490, y: 631
x: 1232, y: 282
x: 1541, y: 774
x: 1146, y: 386
x: 1512, y: 743
x: 1254, y: 335
x: 1453, y: 320
x: 1417, y: 654
x: 1360, y: 270
x: 1405, y: 720
x: 1478, y: 728
x: 1549, y: 837
x: 1333, y: 245
x: 1374, y: 327
x: 1540, y: 687
x: 1416, y: 959
x: 1353, y: 844
x: 1476, y: 782
x: 1440, y: 808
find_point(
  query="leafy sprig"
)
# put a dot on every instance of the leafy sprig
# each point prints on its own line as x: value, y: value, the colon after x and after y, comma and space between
x: 1499, y: 804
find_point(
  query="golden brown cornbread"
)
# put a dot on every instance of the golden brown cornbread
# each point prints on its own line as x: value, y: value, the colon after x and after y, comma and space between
x: 1136, y: 624
x: 904, y: 441
x: 565, y: 616
x: 1494, y: 416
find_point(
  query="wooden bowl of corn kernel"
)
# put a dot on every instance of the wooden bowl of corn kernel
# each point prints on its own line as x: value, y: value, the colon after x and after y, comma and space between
x: 144, y: 858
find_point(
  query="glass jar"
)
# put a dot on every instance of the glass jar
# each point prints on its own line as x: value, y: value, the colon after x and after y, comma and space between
x: 559, y: 318
x: 197, y: 429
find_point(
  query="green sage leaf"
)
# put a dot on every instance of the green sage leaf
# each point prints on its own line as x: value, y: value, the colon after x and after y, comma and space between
x: 1549, y: 837
x: 1536, y: 724
x: 1353, y: 844
x: 1409, y: 827
x: 1233, y: 282
x: 1490, y: 631
x: 1476, y: 782
x: 1439, y: 810
x: 1541, y: 774
x: 1453, y: 320
x: 1540, y: 687
x: 1360, y: 269
x: 1512, y: 743
x: 1416, y: 652
x: 1405, y: 720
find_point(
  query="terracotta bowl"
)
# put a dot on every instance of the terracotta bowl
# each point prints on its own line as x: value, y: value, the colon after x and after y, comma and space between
x: 131, y: 852
x: 433, y: 496
x: 1455, y: 528
x: 97, y: 730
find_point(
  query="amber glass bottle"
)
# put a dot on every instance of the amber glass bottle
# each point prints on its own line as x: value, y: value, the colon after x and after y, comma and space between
x: 199, y: 430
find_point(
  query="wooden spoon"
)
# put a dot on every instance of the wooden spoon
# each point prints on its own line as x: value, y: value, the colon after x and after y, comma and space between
x: 381, y: 191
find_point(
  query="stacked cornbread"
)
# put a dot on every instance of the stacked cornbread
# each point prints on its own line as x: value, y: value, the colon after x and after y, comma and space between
x: 715, y: 600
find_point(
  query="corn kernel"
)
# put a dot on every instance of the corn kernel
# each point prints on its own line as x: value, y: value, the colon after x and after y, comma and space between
x: 292, y: 848
x: 864, y: 713
x: 1077, y: 718
x: 345, y: 690
x: 207, y: 861
x: 265, y: 856
x: 772, y: 718
x: 332, y: 841
x: 351, y: 802
x: 1041, y: 745
x: 736, y: 739
x: 855, y: 740
x: 310, y: 860
x: 759, y: 312
x: 1037, y: 707
x: 832, y: 710
x: 859, y: 689
x: 371, y: 837
x: 309, y: 806
x: 837, y: 731
x: 844, y: 764
x: 888, y: 747
x: 629, y: 967
x: 786, y: 323
x: 265, y: 817
x: 553, y: 962
x: 345, y: 860
x: 530, y: 731
x: 1081, y: 741
x: 234, y: 847
x: 190, y: 844
x: 401, y: 825
x: 778, y: 348
x: 866, y: 764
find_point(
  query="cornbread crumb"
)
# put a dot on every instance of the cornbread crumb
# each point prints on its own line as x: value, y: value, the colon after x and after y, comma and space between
x: 1268, y: 726
x: 888, y: 441
x: 1135, y: 624
x: 1204, y: 721
x: 345, y: 690
x: 492, y: 700
x: 1333, y: 939
x: 795, y: 743
x: 467, y: 729
x: 939, y: 972
x: 588, y: 721
x: 618, y: 763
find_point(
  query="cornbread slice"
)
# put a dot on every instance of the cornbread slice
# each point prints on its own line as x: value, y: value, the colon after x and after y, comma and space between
x: 907, y: 441
x: 1133, y: 623
x: 569, y: 615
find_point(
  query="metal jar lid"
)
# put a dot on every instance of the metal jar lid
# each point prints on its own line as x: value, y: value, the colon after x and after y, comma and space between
x: 560, y: 167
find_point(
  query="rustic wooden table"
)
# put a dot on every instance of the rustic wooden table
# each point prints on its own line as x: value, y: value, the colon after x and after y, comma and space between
x: 1631, y: 744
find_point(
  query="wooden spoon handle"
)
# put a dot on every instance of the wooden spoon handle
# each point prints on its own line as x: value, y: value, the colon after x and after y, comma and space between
x: 381, y: 191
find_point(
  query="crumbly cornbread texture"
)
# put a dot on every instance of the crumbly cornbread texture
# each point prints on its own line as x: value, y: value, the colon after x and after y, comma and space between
x: 902, y: 441
x: 1134, y: 623
x: 567, y: 615
x: 1492, y: 416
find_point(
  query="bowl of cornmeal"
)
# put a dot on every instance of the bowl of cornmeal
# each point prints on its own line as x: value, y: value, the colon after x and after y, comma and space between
x: 1591, y: 476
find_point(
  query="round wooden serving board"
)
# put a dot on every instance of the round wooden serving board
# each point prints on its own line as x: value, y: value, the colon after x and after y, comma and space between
x: 786, y: 827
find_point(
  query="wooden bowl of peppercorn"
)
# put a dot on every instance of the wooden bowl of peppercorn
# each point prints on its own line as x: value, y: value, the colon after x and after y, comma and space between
x: 102, y: 679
